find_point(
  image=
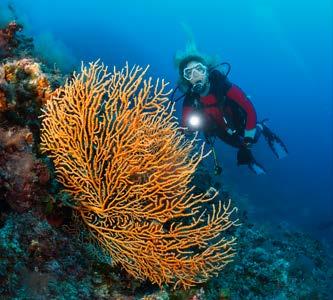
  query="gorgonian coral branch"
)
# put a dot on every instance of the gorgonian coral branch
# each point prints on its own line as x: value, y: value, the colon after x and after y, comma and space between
x: 118, y: 151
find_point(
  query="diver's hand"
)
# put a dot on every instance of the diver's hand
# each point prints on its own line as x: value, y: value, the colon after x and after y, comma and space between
x: 248, y: 142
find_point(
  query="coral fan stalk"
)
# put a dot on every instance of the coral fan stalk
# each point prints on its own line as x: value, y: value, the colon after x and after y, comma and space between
x: 118, y: 151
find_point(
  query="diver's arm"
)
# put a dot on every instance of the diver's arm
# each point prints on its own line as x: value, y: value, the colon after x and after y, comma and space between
x: 237, y: 95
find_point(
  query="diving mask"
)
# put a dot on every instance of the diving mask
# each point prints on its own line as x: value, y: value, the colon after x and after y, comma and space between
x: 198, y: 69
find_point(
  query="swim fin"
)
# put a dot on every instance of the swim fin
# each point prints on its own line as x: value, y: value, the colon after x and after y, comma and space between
x: 274, y: 142
x: 256, y: 168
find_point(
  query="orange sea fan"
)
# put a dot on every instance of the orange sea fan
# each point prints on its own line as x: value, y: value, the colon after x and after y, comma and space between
x: 118, y: 151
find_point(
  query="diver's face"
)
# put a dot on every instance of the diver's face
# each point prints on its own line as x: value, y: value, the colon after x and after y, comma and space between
x: 195, y: 72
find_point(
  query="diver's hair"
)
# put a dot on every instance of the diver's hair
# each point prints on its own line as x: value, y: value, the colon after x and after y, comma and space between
x: 190, y: 58
x: 182, y: 58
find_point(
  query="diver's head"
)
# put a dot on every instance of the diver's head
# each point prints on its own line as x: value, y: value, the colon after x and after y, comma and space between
x: 194, y: 71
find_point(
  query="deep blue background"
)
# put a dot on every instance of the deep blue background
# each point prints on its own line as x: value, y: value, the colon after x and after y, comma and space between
x: 281, y: 55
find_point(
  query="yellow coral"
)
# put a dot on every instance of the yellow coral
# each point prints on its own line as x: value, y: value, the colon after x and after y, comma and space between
x: 10, y: 70
x: 36, y: 80
x: 30, y: 67
x: 3, y: 101
x: 43, y: 89
x: 118, y: 151
x: 2, y: 73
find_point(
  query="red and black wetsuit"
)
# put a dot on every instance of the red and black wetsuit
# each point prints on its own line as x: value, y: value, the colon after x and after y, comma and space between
x: 226, y: 109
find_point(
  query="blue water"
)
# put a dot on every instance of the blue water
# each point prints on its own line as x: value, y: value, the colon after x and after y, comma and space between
x: 281, y: 55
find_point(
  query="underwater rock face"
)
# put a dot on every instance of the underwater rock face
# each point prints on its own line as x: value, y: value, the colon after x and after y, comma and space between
x: 25, y: 85
x: 23, y: 178
x: 8, y: 39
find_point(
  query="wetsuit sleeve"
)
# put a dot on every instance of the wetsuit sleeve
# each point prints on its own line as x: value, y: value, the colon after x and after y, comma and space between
x: 237, y: 95
x: 187, y: 109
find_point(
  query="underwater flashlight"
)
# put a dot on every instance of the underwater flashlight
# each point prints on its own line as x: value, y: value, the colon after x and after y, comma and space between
x: 195, y: 121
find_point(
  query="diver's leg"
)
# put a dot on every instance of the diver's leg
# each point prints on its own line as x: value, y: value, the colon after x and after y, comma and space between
x: 259, y: 129
x: 244, y: 155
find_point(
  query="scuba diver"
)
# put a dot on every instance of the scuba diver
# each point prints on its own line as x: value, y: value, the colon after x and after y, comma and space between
x: 221, y: 109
